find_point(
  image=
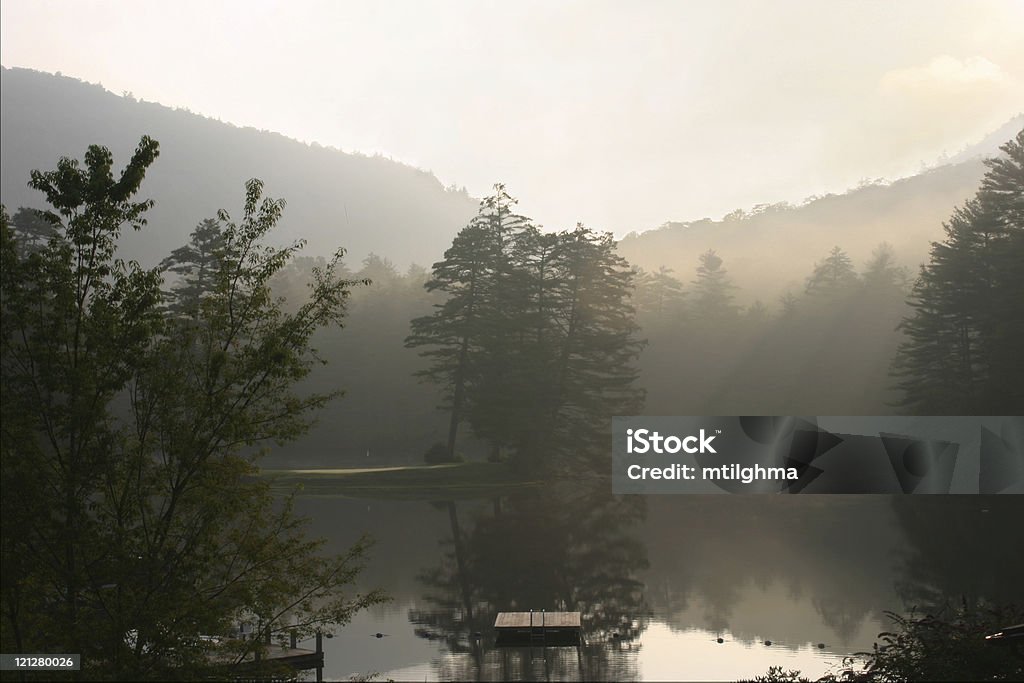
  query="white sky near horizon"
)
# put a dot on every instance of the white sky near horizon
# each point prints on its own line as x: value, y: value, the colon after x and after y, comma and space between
x: 622, y: 115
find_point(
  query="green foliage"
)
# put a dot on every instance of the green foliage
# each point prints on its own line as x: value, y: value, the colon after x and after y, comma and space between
x: 776, y: 674
x: 960, y: 354
x: 948, y: 646
x: 132, y: 522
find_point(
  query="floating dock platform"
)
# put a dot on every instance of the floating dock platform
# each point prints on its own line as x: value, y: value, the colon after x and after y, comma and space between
x: 538, y: 628
x: 293, y: 657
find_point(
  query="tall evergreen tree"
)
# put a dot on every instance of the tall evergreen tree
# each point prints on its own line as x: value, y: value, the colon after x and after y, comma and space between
x: 465, y: 336
x: 832, y: 277
x: 594, y: 369
x: 196, y: 265
x: 536, y: 332
x: 961, y: 349
x: 659, y: 295
x: 712, y: 293
x: 33, y: 229
x: 882, y: 272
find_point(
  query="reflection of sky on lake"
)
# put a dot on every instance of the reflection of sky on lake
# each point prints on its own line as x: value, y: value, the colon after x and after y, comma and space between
x: 661, y: 653
x: 796, y: 571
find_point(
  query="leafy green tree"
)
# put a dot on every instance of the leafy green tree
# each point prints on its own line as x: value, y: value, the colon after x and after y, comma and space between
x: 132, y: 521
x: 960, y: 353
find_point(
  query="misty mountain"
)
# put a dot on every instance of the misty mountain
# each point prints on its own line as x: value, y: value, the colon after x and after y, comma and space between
x: 364, y: 204
x: 990, y: 144
x: 772, y: 249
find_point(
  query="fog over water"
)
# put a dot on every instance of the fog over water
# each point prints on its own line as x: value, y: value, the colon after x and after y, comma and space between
x: 407, y: 261
x: 796, y: 572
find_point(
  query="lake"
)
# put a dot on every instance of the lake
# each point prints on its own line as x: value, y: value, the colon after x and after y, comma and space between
x: 658, y: 579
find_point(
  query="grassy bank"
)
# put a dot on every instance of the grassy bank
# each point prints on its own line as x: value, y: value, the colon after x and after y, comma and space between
x: 425, y: 482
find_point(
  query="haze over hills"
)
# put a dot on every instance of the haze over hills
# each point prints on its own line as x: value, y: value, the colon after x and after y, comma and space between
x: 364, y: 204
x: 771, y: 249
x: 373, y: 204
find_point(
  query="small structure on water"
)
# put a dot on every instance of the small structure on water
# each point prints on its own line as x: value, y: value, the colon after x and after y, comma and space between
x: 292, y: 657
x: 541, y: 628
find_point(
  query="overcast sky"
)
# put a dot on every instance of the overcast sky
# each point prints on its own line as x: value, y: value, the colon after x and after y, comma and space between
x: 619, y: 114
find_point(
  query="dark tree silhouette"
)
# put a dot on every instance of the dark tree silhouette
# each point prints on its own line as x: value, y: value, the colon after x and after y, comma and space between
x: 536, y: 338
x: 712, y: 294
x: 961, y: 353
x: 833, y: 276
x: 132, y: 522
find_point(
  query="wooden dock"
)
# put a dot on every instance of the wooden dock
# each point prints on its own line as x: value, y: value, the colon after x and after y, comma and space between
x: 293, y: 657
x: 538, y: 628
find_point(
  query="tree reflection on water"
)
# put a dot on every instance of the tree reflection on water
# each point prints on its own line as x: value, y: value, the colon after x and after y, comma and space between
x: 562, y: 548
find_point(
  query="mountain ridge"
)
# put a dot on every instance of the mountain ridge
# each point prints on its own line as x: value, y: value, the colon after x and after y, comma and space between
x: 372, y: 204
x: 908, y: 214
x: 365, y: 204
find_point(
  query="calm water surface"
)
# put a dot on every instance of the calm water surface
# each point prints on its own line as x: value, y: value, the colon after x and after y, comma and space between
x: 658, y: 579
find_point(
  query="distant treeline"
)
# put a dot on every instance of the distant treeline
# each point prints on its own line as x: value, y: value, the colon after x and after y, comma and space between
x: 535, y: 341
x: 496, y: 321
x: 531, y: 336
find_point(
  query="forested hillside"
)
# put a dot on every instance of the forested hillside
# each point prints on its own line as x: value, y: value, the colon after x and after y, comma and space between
x: 770, y: 248
x: 782, y: 310
x: 364, y: 203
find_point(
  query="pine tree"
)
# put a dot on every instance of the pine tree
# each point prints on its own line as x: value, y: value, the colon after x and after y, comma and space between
x: 536, y: 335
x: 1003, y: 191
x: 659, y: 295
x: 712, y: 294
x: 594, y: 368
x: 882, y: 272
x: 832, y: 277
x: 32, y: 229
x: 196, y: 265
x: 465, y: 338
x: 961, y: 349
